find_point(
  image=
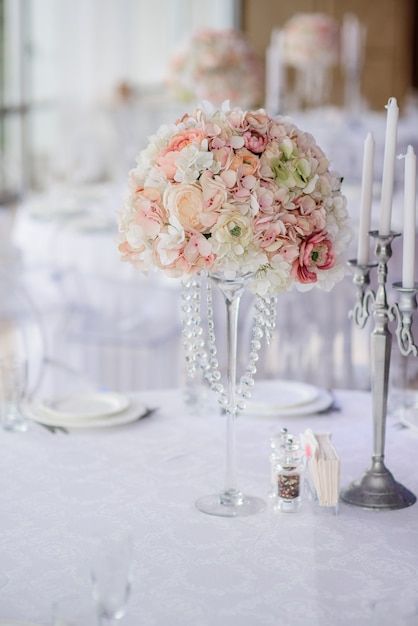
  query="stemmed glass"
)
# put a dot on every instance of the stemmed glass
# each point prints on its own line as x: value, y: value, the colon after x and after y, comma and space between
x: 13, y: 387
x: 111, y: 574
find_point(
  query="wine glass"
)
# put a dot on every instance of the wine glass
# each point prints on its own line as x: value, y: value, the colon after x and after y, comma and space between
x: 111, y: 574
x: 13, y: 385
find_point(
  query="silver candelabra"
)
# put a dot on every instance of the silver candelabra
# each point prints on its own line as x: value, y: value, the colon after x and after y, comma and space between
x: 377, y: 488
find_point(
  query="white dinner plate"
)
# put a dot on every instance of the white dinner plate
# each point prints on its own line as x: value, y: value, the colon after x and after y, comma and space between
x: 84, y: 405
x: 322, y: 402
x: 133, y: 412
x: 278, y: 395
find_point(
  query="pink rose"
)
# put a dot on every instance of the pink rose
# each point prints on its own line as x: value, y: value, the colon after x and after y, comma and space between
x: 254, y: 141
x: 183, y: 139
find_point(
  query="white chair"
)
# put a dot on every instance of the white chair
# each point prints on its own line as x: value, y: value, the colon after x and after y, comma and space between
x: 125, y: 334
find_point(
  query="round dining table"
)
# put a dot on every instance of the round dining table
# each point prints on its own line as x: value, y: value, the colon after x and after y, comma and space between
x: 319, y: 566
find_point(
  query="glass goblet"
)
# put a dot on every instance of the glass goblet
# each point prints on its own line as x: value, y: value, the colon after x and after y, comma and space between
x: 111, y: 574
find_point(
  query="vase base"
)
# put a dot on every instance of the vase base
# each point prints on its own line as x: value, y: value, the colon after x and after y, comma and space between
x: 212, y: 505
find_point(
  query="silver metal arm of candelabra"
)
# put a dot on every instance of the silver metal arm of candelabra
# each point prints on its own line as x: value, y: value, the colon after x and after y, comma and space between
x: 377, y: 488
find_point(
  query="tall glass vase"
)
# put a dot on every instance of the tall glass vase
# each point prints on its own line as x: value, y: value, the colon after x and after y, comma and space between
x: 231, y: 502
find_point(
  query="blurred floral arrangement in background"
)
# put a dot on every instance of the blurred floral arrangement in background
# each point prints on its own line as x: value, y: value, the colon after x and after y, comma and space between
x: 311, y: 38
x: 217, y: 65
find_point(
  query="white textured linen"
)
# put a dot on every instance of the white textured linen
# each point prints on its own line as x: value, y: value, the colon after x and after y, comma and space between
x: 192, y: 569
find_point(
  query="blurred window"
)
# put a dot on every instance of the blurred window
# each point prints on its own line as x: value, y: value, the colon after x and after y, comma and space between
x: 76, y: 52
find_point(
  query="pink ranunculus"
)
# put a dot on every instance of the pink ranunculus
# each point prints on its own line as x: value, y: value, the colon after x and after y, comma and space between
x: 316, y: 252
x: 301, y: 274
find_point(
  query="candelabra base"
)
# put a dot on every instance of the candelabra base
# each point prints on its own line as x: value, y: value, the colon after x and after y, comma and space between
x: 378, y: 490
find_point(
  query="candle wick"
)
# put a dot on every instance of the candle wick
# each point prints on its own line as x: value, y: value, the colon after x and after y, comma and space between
x: 390, y: 102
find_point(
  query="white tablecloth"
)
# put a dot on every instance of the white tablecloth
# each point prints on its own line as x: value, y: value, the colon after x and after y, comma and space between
x: 193, y: 569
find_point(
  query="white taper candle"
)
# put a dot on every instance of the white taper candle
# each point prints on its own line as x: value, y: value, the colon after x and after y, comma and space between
x: 409, y: 219
x: 366, y: 200
x: 388, y: 166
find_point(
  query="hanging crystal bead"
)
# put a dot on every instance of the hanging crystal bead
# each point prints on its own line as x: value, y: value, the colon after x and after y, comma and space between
x: 201, y: 354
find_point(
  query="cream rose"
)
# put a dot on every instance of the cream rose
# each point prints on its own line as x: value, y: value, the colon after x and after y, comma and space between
x: 185, y: 201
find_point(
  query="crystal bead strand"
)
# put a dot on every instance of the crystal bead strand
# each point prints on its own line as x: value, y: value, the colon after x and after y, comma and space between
x: 211, y: 366
x: 194, y: 344
x: 193, y: 341
x: 263, y: 326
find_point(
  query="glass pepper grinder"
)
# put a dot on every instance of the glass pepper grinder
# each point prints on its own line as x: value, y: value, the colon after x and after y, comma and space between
x: 276, y: 444
x: 289, y: 469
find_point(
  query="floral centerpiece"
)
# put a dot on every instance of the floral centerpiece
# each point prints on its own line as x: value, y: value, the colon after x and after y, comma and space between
x: 216, y: 65
x: 311, y: 43
x: 250, y: 201
x: 311, y: 38
x: 236, y: 191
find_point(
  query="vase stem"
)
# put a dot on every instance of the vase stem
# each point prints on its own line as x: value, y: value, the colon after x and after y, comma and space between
x: 231, y: 494
x: 231, y: 501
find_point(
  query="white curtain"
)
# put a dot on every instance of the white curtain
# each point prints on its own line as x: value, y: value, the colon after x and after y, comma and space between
x: 84, y: 48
